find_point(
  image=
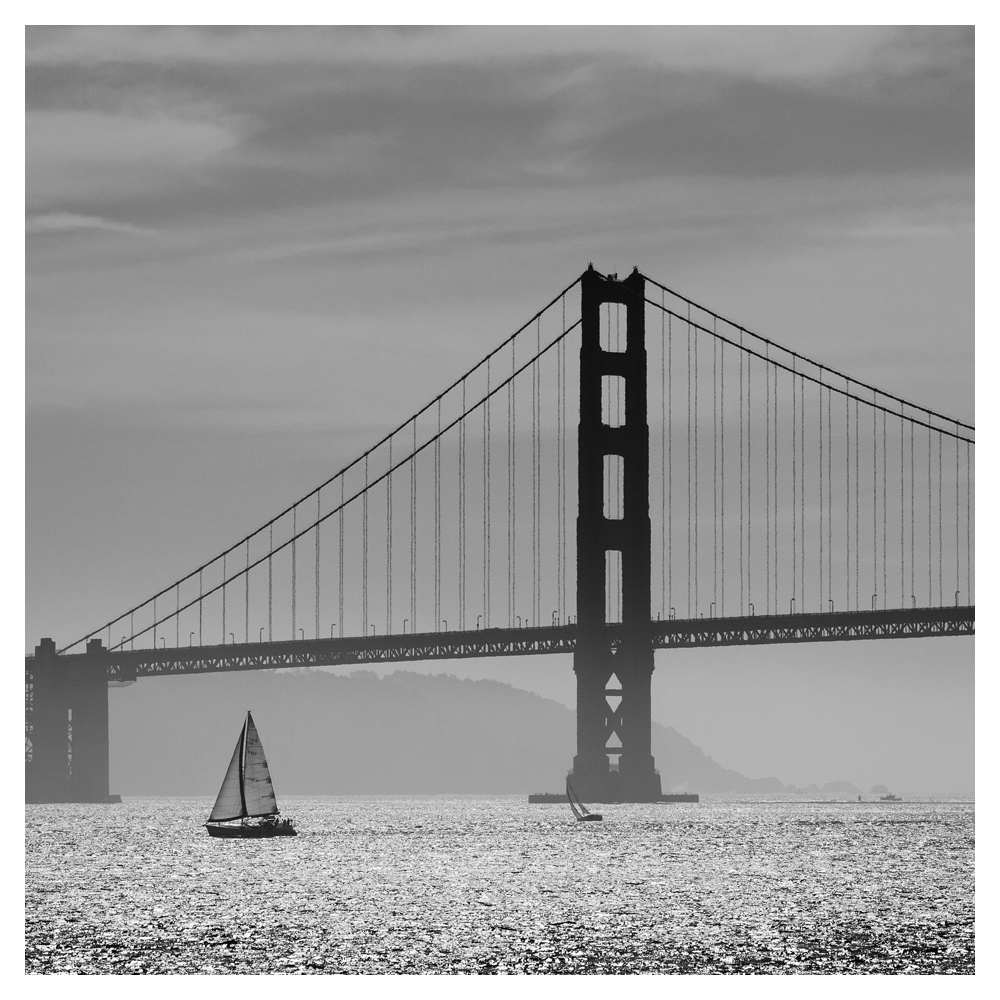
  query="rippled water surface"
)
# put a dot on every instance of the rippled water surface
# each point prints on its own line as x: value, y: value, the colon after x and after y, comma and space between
x: 377, y: 885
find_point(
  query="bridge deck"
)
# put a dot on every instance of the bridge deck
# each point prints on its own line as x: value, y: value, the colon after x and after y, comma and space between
x: 676, y: 633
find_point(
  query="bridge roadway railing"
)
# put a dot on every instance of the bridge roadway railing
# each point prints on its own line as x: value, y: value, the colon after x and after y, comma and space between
x: 125, y: 666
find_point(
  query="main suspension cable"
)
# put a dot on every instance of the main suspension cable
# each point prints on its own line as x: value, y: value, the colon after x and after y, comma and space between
x: 793, y: 354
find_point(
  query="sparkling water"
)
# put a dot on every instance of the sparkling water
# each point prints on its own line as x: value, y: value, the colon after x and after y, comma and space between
x: 493, y: 884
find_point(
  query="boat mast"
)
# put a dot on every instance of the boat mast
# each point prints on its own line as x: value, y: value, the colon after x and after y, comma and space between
x: 573, y: 805
x: 243, y: 754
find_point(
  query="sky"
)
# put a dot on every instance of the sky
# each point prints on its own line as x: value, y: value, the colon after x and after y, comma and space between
x: 250, y: 252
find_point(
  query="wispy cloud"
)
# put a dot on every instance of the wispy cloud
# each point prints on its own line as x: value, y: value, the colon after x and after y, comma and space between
x: 177, y: 124
x: 76, y: 157
x: 765, y: 52
x: 69, y: 222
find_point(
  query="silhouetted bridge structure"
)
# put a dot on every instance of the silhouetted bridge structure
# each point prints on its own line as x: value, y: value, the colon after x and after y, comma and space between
x: 839, y: 495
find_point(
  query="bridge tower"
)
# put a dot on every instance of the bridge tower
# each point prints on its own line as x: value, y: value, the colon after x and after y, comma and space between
x: 67, y: 716
x: 595, y: 663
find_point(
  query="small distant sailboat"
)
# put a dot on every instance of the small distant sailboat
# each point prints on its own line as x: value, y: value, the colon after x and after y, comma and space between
x: 580, y: 811
x: 247, y: 793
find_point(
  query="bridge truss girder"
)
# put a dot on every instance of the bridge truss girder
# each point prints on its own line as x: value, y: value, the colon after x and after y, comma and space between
x: 123, y: 667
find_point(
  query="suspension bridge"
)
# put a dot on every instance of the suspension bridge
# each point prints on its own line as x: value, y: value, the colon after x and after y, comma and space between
x: 719, y: 489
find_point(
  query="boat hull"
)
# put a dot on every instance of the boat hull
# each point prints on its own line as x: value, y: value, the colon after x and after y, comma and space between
x: 250, y: 832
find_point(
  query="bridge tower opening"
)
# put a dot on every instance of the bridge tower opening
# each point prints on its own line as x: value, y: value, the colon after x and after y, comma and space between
x: 621, y: 729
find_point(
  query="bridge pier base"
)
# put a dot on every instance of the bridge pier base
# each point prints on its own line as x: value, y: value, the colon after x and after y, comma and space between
x: 638, y: 779
x: 604, y: 708
x: 591, y: 775
x: 67, y: 730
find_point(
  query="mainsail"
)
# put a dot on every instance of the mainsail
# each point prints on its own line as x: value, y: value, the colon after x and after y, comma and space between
x: 229, y: 804
x: 579, y: 811
x: 246, y: 789
x: 258, y: 792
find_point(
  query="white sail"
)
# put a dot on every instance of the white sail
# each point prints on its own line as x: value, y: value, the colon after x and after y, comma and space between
x: 229, y: 804
x: 258, y: 791
x: 580, y: 812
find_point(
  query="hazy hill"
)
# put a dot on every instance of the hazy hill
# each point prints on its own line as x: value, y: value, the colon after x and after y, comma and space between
x: 331, y: 734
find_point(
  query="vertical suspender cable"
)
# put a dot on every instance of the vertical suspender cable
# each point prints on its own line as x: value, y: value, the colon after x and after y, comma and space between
x: 559, y: 482
x: 857, y: 506
x: 847, y: 498
x: 829, y: 495
x: 695, y: 466
x: 340, y: 565
x: 885, y: 517
x: 847, y: 415
x: 669, y: 525
x: 513, y: 482
x: 536, y: 478
x: 388, y: 547
x: 767, y: 471
x: 510, y: 496
x: 511, y: 492
x: 318, y: 512
x: 246, y: 599
x: 461, y: 513
x: 795, y: 496
x: 913, y: 522
x: 223, y: 605
x: 749, y: 478
x: 722, y: 463
x: 902, y: 508
x: 802, y: 487
x: 742, y: 595
x: 774, y: 493
x: 564, y: 613
x: 930, y: 529
x: 364, y: 554
x: 715, y: 472
x: 690, y: 517
x: 874, y: 504
x: 295, y: 511
x: 821, y: 495
x: 968, y: 523
x: 940, y: 529
x: 534, y: 492
x: 663, y: 462
x: 437, y: 522
x: 413, y: 532
x: 538, y: 466
x: 270, y: 584
x: 958, y: 519
x: 488, y: 494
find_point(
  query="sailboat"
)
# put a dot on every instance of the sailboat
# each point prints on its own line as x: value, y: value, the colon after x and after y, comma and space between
x: 580, y: 811
x: 247, y: 793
